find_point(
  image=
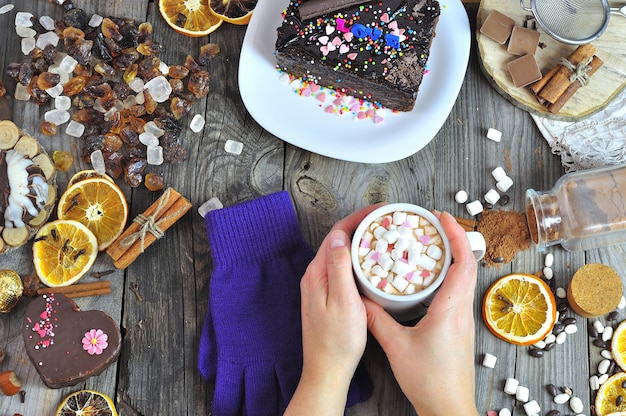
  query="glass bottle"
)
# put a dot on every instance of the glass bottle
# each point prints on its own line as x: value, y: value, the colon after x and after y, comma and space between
x: 584, y: 210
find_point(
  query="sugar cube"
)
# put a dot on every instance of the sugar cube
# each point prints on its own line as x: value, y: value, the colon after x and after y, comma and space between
x: 197, y: 123
x: 493, y: 134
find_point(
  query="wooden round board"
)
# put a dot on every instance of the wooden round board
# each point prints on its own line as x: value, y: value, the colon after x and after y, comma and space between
x: 603, y: 86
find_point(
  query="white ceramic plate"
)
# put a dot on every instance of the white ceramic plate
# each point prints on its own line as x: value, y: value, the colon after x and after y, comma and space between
x: 302, y: 122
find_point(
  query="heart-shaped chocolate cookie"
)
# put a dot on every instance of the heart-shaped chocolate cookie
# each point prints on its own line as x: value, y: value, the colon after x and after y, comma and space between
x: 67, y: 345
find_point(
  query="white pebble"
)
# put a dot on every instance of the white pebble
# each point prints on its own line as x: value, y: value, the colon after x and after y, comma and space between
x: 492, y: 196
x: 576, y: 404
x: 560, y: 339
x: 603, y: 366
x: 474, y: 208
x: 504, y: 412
x: 504, y: 184
x: 47, y: 22
x: 522, y: 394
x: 607, y: 334
x: 561, y: 293
x: 493, y: 134
x: 28, y: 44
x: 602, y: 378
x: 232, y: 146
x: 549, y: 260
x: 561, y: 398
x: 210, y: 205
x: 598, y: 326
x: 23, y: 19
x: 532, y: 408
x: 622, y: 303
x: 510, y: 386
x: 461, y: 197
x: 606, y: 354
x: 498, y: 173
x: 6, y: 8
x: 197, y: 123
x: 489, y: 360
x: 594, y: 384
x: 548, y: 273
x: 570, y: 329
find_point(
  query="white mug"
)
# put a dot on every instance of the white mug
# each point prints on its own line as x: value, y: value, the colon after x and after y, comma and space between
x: 406, y: 307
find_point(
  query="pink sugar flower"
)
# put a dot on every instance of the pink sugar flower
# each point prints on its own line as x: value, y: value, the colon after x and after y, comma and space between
x: 95, y: 341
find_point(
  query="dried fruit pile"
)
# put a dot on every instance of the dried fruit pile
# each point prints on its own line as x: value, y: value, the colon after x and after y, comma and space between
x: 126, y: 103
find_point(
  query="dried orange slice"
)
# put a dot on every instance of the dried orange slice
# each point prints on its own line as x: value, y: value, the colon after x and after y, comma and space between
x: 87, y: 403
x: 86, y: 174
x: 237, y: 12
x: 618, y: 345
x: 608, y: 394
x: 519, y: 308
x: 189, y: 17
x: 63, y: 251
x: 99, y: 204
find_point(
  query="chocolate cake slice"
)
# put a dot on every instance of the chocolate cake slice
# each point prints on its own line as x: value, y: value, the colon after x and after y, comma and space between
x: 375, y: 50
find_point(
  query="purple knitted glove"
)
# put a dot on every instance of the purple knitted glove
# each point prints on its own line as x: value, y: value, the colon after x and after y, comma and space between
x: 251, y: 341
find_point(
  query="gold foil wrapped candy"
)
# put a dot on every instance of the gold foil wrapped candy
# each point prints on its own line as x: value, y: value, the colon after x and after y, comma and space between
x: 10, y: 290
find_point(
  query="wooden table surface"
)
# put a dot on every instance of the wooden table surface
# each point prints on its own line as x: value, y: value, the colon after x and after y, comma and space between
x: 156, y: 373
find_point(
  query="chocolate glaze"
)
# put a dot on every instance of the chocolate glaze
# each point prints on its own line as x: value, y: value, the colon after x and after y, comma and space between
x: 63, y: 361
x: 369, y: 67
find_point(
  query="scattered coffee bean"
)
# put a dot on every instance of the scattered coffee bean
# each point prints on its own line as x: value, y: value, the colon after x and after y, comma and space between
x: 553, y: 413
x: 535, y: 352
x: 566, y: 390
x: 552, y: 389
x: 498, y: 260
x: 624, y: 384
x: 504, y: 199
x: 612, y: 316
x: 562, y: 307
x: 558, y: 328
x: 612, y: 367
x: 599, y: 343
x: 568, y: 321
x: 549, y: 346
x: 592, y: 330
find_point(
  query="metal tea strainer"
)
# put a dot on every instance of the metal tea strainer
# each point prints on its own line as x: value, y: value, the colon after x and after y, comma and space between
x: 571, y: 21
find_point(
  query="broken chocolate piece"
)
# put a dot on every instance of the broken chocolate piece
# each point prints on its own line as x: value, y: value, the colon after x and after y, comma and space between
x: 314, y: 8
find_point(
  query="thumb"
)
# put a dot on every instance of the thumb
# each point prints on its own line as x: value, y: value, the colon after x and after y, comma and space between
x: 382, y: 325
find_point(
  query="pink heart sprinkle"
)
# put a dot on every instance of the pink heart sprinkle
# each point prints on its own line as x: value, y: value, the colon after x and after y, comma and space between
x: 355, y: 108
x: 382, y: 284
x: 336, y: 41
x: 324, y: 50
x: 409, y: 277
x: 384, y: 18
x: 386, y: 222
x: 348, y: 36
x: 329, y: 29
x: 393, y: 25
x: 361, y: 115
x: 384, y: 61
x: 329, y: 109
x: 352, y: 56
x: 424, y: 239
x: 344, y: 49
x: 331, y: 47
x: 378, y: 120
x: 375, y: 256
x: 337, y: 102
x: 306, y: 92
x: 323, y: 40
x: 44, y: 315
x: 46, y: 343
x: 42, y: 333
x: 425, y: 274
x: 36, y: 327
x: 321, y: 97
x: 314, y: 87
x: 365, y: 243
x: 371, y: 113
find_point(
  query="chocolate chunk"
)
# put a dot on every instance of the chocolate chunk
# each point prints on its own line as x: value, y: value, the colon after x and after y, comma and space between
x: 314, y: 8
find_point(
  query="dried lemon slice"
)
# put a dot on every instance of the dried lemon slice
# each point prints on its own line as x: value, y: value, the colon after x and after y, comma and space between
x: 63, y: 251
x: 189, y: 17
x: 237, y: 12
x: 87, y: 403
x: 606, y: 399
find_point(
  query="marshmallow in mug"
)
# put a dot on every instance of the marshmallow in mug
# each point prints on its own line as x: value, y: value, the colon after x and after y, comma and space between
x: 401, y: 253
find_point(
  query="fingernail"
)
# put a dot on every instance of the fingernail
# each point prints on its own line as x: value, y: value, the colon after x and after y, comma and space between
x: 450, y: 215
x: 337, y: 239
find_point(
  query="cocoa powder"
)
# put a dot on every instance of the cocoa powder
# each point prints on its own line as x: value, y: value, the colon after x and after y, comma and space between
x: 506, y: 233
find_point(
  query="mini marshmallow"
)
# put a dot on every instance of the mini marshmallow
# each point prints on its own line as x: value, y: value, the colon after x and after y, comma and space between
x: 426, y: 262
x: 504, y: 412
x: 461, y: 197
x: 404, y: 232
x: 402, y: 244
x: 489, y: 360
x: 379, y: 231
x: 391, y: 236
x: 411, y: 289
x: 402, y: 268
x: 474, y: 208
x: 504, y: 184
x: 498, y: 173
x: 379, y: 271
x: 510, y: 386
x: 385, y: 261
x: 399, y: 217
x: 522, y: 394
x: 493, y: 134
x: 375, y: 280
x: 434, y: 252
x: 532, y: 408
x: 413, y: 220
x: 429, y: 279
x: 400, y: 283
x: 492, y: 196
x: 381, y: 245
x: 414, y: 256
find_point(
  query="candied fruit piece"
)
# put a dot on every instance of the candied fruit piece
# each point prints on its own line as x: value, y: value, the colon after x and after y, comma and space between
x: 111, y: 30
x: 179, y: 107
x: 48, y: 128
x: 48, y: 80
x: 178, y: 71
x: 74, y: 85
x: 154, y: 182
x: 149, y: 102
x: 104, y: 69
x: 131, y: 72
x: 62, y: 160
x: 208, y: 52
x: 199, y: 83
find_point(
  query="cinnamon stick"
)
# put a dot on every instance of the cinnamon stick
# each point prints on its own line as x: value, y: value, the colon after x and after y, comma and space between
x: 560, y: 81
x: 132, y: 243
x: 594, y: 65
x: 537, y: 86
x: 116, y: 250
x: 80, y: 290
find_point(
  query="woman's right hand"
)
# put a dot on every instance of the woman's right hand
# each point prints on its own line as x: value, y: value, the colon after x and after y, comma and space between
x: 433, y: 361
